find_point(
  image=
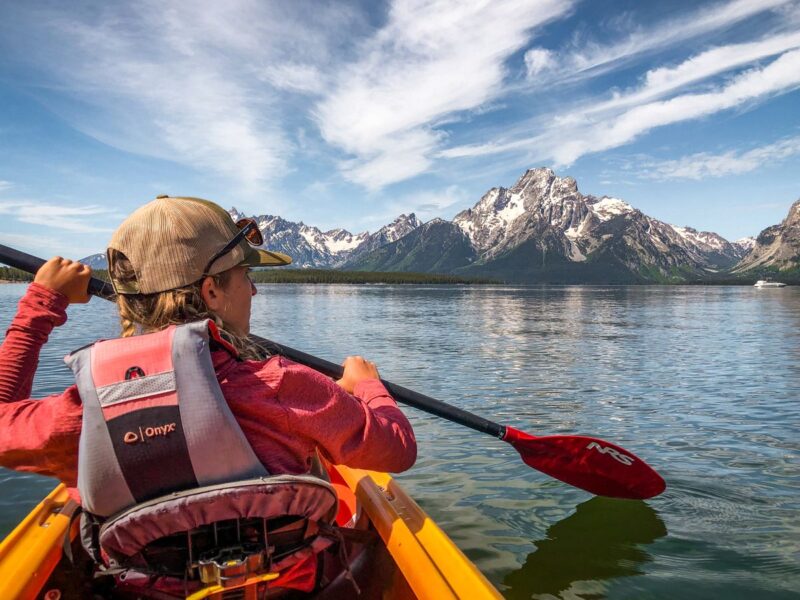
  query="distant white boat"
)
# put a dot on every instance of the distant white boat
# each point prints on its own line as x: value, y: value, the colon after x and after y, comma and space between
x: 768, y: 283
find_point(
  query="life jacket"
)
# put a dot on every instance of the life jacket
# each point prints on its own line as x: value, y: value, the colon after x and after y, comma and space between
x: 161, y: 457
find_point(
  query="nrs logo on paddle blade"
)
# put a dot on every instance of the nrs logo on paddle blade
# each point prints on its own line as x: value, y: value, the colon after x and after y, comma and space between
x: 613, y: 453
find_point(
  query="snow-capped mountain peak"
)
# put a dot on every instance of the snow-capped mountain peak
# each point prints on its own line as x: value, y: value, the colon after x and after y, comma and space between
x: 400, y: 227
x: 311, y: 247
x: 551, y: 210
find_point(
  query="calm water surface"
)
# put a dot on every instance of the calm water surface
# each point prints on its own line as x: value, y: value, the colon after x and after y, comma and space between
x: 701, y: 382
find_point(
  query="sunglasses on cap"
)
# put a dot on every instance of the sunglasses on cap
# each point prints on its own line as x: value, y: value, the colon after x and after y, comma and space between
x: 248, y: 230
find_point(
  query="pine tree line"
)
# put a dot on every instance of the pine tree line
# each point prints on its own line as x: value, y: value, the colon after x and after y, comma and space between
x: 357, y: 277
x: 12, y: 274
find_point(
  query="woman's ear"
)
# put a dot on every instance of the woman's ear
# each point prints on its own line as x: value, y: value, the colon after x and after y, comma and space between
x: 211, y: 293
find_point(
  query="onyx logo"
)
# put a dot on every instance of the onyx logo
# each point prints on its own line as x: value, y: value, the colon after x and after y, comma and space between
x: 615, y: 454
x: 132, y: 437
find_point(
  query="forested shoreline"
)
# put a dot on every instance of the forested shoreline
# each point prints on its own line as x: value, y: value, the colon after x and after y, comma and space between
x: 12, y: 275
x: 332, y: 276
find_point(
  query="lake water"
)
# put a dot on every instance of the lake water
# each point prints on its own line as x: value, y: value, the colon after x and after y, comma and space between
x: 702, y: 382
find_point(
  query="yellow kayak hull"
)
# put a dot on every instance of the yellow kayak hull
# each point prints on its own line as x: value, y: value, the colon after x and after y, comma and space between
x: 428, y: 564
x: 30, y: 553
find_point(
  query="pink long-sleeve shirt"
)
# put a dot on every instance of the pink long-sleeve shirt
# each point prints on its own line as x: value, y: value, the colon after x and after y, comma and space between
x: 286, y: 411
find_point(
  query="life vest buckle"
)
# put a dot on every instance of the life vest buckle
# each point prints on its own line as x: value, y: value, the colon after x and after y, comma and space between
x: 230, y: 566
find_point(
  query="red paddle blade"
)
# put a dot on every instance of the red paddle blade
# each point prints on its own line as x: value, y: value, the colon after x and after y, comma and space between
x: 594, y: 465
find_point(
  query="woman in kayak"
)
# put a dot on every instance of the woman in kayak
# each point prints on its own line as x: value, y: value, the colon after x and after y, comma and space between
x: 183, y: 260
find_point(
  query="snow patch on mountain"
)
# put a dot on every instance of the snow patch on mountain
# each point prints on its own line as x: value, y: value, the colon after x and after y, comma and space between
x: 607, y: 208
x: 338, y: 241
x: 702, y: 238
x: 514, y: 209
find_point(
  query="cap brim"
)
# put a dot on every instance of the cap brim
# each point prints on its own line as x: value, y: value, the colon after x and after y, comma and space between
x: 265, y: 258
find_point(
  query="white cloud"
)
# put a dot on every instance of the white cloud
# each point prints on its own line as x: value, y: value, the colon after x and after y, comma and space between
x: 612, y: 123
x: 304, y: 78
x: 592, y: 59
x: 781, y: 75
x: 538, y: 60
x: 198, y: 83
x: 703, y: 165
x: 165, y: 89
x: 664, y: 80
x: 5, y: 185
x: 430, y: 61
x: 396, y: 157
x: 217, y: 86
x: 563, y: 136
x: 78, y: 219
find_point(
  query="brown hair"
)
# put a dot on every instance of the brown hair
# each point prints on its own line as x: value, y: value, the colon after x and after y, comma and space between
x: 145, y: 313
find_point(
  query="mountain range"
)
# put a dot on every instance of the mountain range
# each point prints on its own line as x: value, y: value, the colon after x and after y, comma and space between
x: 540, y: 230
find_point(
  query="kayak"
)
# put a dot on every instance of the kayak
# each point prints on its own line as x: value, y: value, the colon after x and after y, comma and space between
x: 413, y: 557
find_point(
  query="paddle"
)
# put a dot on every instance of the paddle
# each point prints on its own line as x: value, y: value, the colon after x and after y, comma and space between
x: 588, y: 463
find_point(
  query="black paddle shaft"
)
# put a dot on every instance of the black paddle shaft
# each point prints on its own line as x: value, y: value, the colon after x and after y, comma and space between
x: 31, y: 264
x: 404, y: 395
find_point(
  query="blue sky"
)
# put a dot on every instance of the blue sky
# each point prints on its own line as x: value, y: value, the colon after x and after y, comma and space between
x: 346, y: 114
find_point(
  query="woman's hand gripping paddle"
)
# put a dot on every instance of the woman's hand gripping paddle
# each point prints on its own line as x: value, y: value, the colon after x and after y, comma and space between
x: 588, y: 463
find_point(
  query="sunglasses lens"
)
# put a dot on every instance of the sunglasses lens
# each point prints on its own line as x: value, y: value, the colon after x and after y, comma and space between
x: 253, y: 235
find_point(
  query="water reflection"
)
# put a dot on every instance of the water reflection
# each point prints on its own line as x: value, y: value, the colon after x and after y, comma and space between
x: 600, y: 541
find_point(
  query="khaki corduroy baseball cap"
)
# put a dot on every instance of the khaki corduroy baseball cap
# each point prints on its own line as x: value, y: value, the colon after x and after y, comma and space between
x: 169, y: 241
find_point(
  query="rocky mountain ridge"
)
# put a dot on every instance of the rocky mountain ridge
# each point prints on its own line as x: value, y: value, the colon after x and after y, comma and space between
x: 777, y: 248
x: 310, y: 247
x: 542, y: 229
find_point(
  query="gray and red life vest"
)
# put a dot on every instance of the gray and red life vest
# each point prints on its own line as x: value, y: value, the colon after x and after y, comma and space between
x: 160, y: 451
x: 155, y: 420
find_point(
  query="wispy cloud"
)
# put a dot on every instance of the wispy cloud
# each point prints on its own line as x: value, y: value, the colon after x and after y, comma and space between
x: 539, y: 60
x: 296, y: 77
x: 236, y: 89
x: 78, y: 219
x: 429, y: 62
x: 715, y: 61
x: 198, y: 83
x: 393, y: 123
x: 782, y: 75
x: 5, y: 185
x: 613, y: 123
x: 703, y: 165
x: 591, y: 59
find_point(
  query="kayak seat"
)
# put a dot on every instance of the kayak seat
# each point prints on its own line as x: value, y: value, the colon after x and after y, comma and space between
x: 277, y: 518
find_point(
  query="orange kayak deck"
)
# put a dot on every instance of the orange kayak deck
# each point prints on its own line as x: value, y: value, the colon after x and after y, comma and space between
x: 428, y: 564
